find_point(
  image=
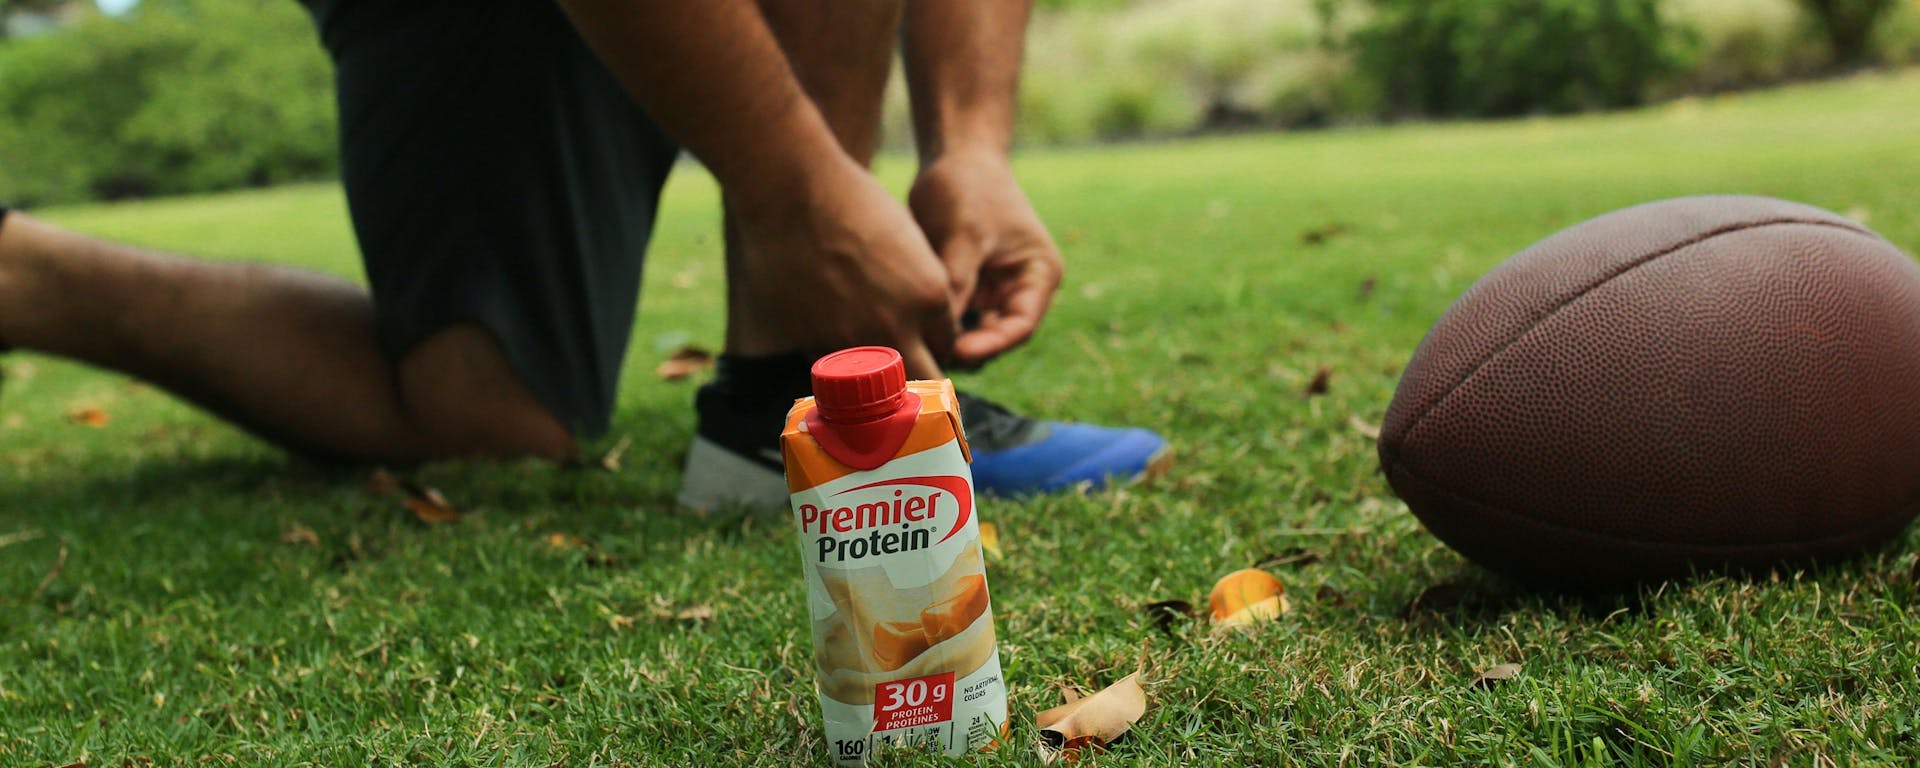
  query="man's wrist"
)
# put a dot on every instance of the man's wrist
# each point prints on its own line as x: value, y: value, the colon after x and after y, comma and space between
x: 983, y: 139
x: 974, y: 154
x: 780, y: 174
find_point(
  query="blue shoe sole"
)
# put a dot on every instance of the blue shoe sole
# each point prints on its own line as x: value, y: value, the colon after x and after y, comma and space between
x: 1071, y: 455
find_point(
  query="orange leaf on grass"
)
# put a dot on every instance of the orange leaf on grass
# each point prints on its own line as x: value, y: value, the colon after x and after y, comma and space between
x: 1091, y: 722
x: 1246, y: 596
x: 429, y: 505
x: 684, y: 362
x: 558, y: 540
x: 89, y: 417
x: 990, y: 539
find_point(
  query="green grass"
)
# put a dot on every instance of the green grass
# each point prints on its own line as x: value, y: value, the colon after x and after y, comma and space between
x: 189, y: 617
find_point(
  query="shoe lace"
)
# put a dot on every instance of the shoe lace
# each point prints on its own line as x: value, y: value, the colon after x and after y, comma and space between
x: 990, y: 425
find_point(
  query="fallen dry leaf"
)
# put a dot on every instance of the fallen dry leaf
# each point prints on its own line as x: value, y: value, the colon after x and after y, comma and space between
x: 1367, y: 286
x: 428, y: 504
x: 684, y: 362
x: 558, y: 540
x: 1245, y: 597
x: 692, y: 615
x: 990, y: 540
x: 298, y: 534
x: 89, y: 417
x: 1323, y: 233
x: 1091, y: 722
x: 611, y: 460
x: 1494, y: 675
x: 1368, y: 431
x: 1318, y: 386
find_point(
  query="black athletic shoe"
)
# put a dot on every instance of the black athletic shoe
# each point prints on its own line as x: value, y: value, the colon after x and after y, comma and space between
x: 735, y: 459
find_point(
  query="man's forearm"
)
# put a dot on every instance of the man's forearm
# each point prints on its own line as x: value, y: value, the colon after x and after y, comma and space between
x: 963, y: 71
x: 711, y: 74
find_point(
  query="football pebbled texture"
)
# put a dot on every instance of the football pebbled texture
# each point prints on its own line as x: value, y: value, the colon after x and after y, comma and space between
x: 1688, y: 384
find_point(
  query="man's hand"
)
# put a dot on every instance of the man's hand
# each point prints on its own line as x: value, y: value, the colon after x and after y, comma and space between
x: 839, y: 262
x: 1000, y: 262
x: 830, y: 260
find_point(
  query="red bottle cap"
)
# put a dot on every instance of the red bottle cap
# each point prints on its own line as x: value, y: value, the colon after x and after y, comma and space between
x: 859, y: 384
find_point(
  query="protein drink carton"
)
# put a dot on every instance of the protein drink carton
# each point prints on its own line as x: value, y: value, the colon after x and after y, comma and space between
x: 902, y: 628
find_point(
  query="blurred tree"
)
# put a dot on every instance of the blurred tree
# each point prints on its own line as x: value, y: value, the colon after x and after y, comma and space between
x: 1847, y: 25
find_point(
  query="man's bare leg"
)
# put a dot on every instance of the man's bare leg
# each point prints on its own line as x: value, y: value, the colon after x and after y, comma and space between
x: 288, y: 354
x: 842, y: 52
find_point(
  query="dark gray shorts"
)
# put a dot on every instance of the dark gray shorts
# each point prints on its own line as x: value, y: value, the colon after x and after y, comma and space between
x: 498, y: 175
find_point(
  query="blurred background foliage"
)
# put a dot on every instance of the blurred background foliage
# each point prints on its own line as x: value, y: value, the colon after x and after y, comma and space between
x: 177, y: 96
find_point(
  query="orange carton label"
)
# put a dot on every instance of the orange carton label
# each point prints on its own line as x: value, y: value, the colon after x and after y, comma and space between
x: 902, y: 624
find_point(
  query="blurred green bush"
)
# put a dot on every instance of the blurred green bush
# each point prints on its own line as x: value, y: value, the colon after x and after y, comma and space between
x: 178, y: 96
x: 1509, y: 57
x: 1155, y: 68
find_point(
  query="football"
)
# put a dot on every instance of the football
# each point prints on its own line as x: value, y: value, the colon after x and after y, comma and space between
x: 1691, y: 384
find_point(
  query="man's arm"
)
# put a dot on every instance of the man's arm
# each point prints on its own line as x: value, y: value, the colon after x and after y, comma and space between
x: 831, y: 259
x: 963, y: 69
x: 712, y: 76
x: 963, y: 72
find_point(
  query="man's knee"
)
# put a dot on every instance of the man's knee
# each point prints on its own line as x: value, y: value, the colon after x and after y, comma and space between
x: 464, y: 397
